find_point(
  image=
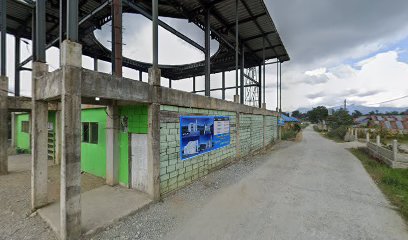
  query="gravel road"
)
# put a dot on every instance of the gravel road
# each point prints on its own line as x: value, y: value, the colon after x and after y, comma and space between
x: 313, y: 190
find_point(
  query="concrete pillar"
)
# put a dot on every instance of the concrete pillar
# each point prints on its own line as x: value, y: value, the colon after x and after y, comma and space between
x: 378, y: 140
x: 395, y: 149
x: 236, y: 99
x: 3, y: 125
x: 70, y: 199
x: 355, y: 135
x: 264, y: 105
x: 39, y: 141
x: 153, y: 137
x: 112, y: 145
x: 367, y: 137
x: 58, y: 134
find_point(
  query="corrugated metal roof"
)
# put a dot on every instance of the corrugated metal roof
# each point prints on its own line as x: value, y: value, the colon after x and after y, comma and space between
x: 256, y: 25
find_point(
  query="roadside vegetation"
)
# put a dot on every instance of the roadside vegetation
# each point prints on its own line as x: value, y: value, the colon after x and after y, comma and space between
x: 392, y: 182
x: 290, y: 131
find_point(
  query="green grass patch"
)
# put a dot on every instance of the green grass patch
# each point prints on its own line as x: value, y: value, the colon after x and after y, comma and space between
x: 392, y: 182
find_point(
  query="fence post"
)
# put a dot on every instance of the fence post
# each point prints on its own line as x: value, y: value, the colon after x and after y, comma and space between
x: 355, y: 135
x: 367, y: 137
x: 378, y: 140
x: 395, y: 149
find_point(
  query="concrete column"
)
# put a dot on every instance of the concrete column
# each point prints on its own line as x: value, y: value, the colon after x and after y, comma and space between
x: 39, y: 141
x: 58, y: 134
x: 367, y: 137
x: 112, y: 145
x: 236, y: 99
x: 378, y: 140
x: 395, y: 149
x: 13, y: 131
x: 264, y: 105
x: 356, y: 135
x: 70, y: 200
x: 3, y: 125
x: 153, y: 137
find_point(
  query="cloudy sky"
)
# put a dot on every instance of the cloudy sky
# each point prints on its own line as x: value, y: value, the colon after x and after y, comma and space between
x: 348, y: 49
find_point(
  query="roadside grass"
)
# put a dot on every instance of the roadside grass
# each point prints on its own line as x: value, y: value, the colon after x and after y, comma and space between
x: 392, y: 182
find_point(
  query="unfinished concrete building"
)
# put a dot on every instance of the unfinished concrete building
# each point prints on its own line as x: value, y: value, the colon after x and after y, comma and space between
x: 136, y: 127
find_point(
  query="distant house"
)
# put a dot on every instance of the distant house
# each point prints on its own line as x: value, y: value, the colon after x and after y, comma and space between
x: 395, y: 123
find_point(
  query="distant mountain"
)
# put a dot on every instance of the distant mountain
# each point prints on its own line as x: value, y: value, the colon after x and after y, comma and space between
x: 366, y: 110
x: 362, y: 109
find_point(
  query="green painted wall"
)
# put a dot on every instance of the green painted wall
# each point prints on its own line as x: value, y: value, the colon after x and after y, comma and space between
x: 22, y: 138
x: 93, y: 156
x: 137, y: 123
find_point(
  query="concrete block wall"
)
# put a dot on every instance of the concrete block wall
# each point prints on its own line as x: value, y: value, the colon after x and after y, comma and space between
x: 250, y: 133
x: 175, y: 173
x: 271, y: 129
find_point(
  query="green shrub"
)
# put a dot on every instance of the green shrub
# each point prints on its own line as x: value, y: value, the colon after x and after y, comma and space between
x: 338, y: 132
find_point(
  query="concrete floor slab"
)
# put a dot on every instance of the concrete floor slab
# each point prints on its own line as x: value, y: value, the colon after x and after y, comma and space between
x: 21, y: 162
x: 100, y: 208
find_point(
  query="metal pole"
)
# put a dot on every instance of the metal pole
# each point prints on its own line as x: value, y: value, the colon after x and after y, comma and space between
x: 155, y: 23
x: 3, y: 37
x: 280, y: 87
x: 260, y: 85
x: 194, y: 84
x: 207, y: 53
x: 117, y: 37
x: 277, y: 87
x: 95, y: 64
x: 63, y: 20
x: 223, y: 85
x: 263, y: 56
x: 40, y: 31
x: 236, y: 47
x: 242, y: 74
x: 72, y: 20
x: 140, y: 76
x: 16, y: 68
x: 169, y: 83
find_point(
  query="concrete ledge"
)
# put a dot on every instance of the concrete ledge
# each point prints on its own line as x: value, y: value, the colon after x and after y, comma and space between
x: 107, y: 87
x: 100, y: 208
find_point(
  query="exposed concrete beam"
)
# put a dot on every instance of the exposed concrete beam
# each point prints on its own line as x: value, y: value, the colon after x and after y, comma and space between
x: 128, y: 91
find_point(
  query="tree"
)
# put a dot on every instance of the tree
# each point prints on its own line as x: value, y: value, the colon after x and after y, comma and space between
x: 318, y: 114
x: 357, y: 114
x: 371, y: 113
x: 296, y: 114
x: 339, y: 118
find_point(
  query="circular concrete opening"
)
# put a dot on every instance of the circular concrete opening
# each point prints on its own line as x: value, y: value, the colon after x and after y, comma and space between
x: 137, y: 40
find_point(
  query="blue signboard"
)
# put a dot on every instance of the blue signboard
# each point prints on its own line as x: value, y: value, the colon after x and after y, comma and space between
x: 202, y: 134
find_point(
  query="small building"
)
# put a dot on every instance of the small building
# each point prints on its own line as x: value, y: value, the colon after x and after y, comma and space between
x: 393, y: 123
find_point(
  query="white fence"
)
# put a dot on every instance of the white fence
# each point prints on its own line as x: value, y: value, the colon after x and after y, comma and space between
x: 391, y: 157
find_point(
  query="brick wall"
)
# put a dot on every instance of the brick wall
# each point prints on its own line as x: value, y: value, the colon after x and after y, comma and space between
x: 175, y: 174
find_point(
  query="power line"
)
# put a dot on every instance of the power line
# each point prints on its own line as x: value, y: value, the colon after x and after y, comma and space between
x: 392, y: 100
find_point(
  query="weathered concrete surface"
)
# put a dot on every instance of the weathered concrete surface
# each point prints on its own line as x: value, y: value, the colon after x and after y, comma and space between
x: 100, y: 208
x: 112, y: 145
x: 39, y: 141
x: 312, y: 190
x: 3, y: 125
x: 21, y: 162
x: 70, y: 201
